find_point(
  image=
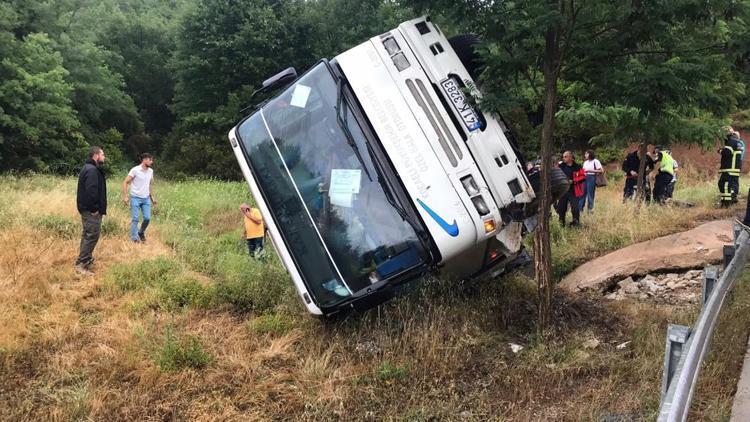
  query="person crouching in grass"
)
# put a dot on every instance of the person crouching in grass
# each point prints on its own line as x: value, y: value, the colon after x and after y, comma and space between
x: 254, y: 229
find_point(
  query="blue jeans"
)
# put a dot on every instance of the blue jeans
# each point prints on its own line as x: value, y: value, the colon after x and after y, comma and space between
x: 590, y: 191
x: 138, y: 206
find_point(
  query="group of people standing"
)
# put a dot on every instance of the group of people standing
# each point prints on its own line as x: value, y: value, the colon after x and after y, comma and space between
x: 586, y: 177
x: 138, y: 195
x: 582, y: 191
x: 91, y: 201
x: 662, y: 163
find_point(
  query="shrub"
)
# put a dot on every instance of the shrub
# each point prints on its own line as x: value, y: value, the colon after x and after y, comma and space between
x: 178, y: 294
x: 249, y: 284
x: 177, y: 353
x: 275, y: 324
x: 154, y: 272
x: 58, y: 226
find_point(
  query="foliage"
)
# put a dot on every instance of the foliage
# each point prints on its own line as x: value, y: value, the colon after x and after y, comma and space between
x: 171, y: 77
x: 154, y: 272
x: 182, y: 293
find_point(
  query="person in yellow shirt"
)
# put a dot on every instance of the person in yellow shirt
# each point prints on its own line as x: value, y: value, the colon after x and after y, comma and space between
x: 254, y: 229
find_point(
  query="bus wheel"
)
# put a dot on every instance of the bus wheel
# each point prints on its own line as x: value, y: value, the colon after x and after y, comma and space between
x: 465, y: 47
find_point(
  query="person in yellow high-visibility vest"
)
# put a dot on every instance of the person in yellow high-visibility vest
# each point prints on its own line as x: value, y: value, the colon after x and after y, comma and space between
x: 729, y: 169
x: 664, y: 175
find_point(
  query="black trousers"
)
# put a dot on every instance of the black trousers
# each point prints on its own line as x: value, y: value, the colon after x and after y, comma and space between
x: 663, y: 179
x: 630, y: 187
x: 92, y: 225
x: 728, y: 187
x: 255, y: 245
x: 569, y: 200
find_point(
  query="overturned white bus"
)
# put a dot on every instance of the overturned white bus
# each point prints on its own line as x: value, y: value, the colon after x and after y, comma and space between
x: 372, y: 168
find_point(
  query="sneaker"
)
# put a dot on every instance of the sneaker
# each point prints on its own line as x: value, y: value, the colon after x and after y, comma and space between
x: 142, y: 237
x: 82, y: 270
x: 135, y: 240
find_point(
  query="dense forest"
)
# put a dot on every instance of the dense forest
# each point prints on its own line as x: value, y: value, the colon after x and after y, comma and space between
x: 171, y: 76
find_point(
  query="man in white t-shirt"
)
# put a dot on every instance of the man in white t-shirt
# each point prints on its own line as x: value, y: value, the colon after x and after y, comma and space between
x: 141, y: 197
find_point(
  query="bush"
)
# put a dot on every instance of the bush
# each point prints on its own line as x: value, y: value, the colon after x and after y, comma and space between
x: 275, y: 324
x: 58, y: 226
x: 154, y: 272
x: 249, y: 284
x: 179, y: 294
x: 178, y: 353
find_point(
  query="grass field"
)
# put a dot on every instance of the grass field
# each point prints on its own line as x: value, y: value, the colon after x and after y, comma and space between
x: 187, y: 327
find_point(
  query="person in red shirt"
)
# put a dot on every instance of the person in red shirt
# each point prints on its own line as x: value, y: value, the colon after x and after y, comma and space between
x: 571, y: 199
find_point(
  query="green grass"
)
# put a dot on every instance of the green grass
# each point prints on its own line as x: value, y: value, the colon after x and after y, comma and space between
x: 389, y: 372
x: 273, y: 324
x: 57, y: 226
x: 180, y: 352
x: 181, y: 293
x: 135, y: 276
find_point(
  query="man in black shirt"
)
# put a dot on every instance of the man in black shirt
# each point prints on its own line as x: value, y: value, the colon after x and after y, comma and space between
x: 630, y: 166
x: 576, y: 176
x: 91, y: 199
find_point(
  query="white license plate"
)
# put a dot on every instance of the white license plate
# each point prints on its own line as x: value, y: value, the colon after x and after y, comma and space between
x: 456, y: 96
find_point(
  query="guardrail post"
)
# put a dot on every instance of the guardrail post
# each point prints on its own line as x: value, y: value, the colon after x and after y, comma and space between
x: 710, y: 275
x: 728, y: 254
x: 677, y: 336
x: 736, y: 230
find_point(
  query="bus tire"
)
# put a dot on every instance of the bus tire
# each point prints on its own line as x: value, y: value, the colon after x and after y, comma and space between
x: 465, y: 47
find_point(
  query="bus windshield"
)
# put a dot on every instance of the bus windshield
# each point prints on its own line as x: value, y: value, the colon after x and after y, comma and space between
x: 329, y: 173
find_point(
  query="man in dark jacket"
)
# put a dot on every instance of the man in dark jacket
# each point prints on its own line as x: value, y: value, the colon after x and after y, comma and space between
x: 571, y: 198
x: 729, y: 171
x: 91, y: 198
x: 630, y: 167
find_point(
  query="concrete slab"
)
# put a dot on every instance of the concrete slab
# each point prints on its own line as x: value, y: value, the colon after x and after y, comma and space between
x: 694, y: 248
x: 741, y: 404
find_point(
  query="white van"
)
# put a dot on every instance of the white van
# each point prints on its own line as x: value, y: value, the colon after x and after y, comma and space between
x: 372, y: 169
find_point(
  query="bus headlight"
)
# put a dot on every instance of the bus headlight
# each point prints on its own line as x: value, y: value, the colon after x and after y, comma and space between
x: 480, y: 205
x: 400, y: 61
x: 470, y: 185
x: 391, y: 46
x: 489, y: 226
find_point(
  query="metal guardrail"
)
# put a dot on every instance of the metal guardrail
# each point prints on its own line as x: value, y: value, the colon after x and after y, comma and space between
x: 686, y: 347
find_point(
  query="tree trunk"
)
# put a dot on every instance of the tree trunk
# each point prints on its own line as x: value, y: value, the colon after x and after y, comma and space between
x: 542, y: 250
x: 642, y: 173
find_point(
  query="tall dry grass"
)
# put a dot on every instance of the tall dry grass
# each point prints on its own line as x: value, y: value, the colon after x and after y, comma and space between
x: 188, y: 328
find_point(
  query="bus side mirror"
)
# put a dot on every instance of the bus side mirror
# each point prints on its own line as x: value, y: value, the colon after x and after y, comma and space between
x: 282, y: 78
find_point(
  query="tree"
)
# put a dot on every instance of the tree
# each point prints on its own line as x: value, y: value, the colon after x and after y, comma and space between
x: 644, y: 70
x: 38, y: 126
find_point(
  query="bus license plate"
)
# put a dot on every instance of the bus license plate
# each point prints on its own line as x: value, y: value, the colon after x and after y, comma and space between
x: 456, y: 96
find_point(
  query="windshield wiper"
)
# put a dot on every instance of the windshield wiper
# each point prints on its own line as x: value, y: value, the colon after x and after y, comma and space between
x: 345, y: 126
x: 387, y: 190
